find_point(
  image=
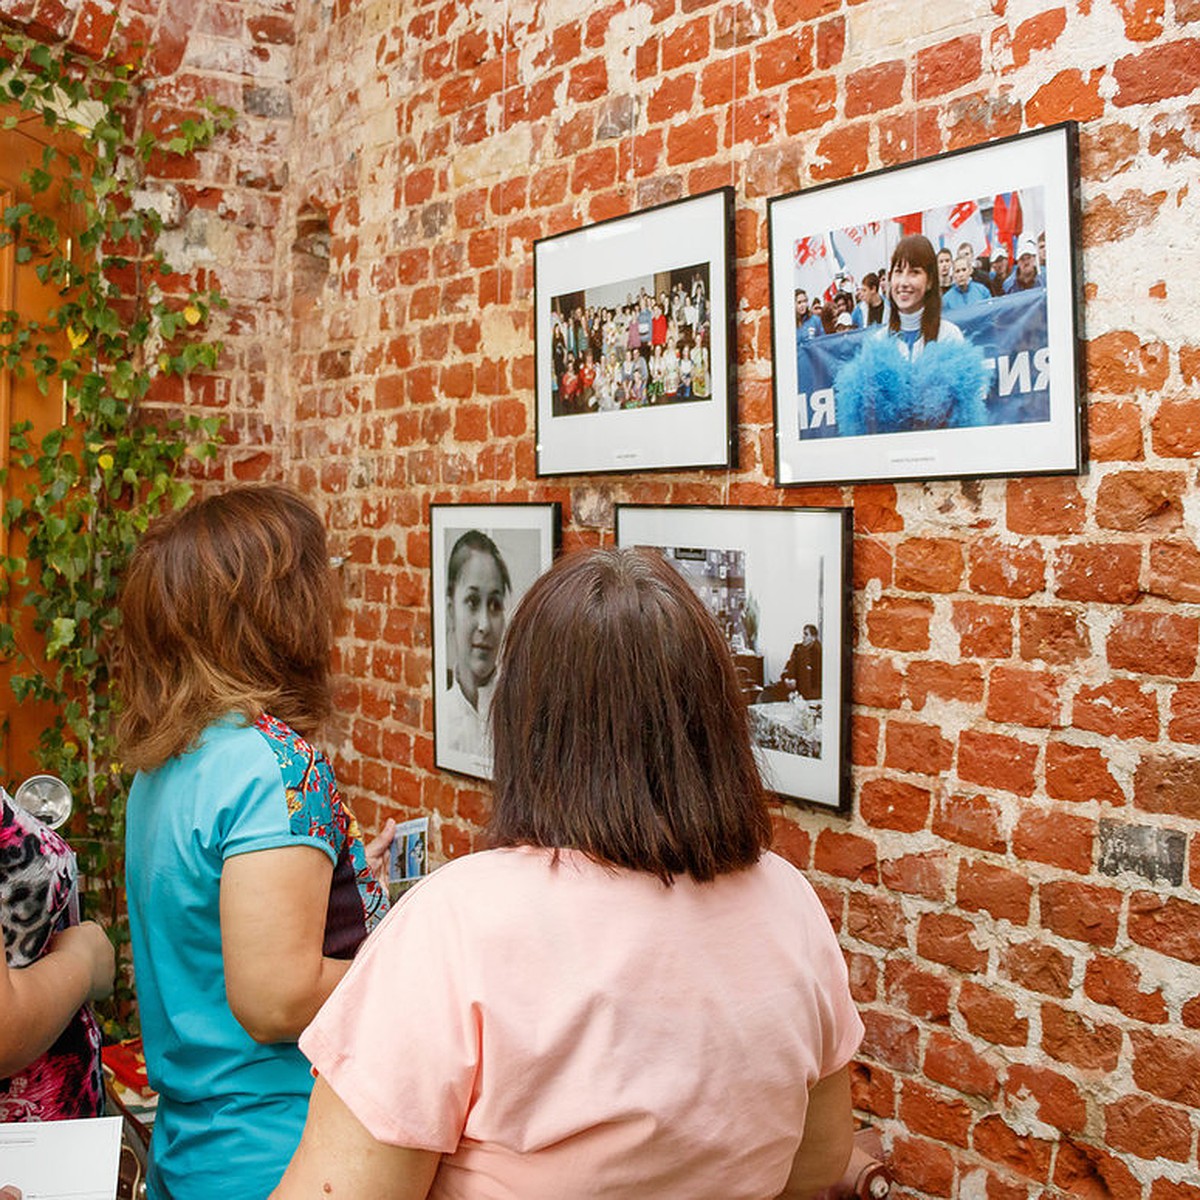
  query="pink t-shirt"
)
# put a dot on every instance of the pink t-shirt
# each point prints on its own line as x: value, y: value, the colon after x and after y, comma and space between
x: 564, y: 1028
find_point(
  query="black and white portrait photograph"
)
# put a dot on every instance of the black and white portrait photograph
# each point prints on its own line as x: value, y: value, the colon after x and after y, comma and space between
x: 634, y: 341
x: 923, y: 318
x: 776, y: 582
x: 483, y: 559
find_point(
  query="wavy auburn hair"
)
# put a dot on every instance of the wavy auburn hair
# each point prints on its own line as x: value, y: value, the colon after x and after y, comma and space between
x: 227, y: 606
x: 618, y: 725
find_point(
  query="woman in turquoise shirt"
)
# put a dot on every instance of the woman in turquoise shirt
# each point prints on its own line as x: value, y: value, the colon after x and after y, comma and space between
x: 248, y: 884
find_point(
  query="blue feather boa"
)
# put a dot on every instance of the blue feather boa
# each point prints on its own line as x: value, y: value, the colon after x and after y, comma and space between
x: 881, y: 391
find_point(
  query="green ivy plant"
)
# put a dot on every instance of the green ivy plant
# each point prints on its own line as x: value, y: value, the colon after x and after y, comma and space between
x: 97, y: 481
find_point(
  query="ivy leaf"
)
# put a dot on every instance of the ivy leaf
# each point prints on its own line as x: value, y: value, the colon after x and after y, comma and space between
x: 61, y: 635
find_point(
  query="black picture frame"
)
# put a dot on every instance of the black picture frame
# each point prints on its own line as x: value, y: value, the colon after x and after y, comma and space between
x: 513, y: 542
x: 766, y: 574
x: 624, y: 419
x: 1001, y: 393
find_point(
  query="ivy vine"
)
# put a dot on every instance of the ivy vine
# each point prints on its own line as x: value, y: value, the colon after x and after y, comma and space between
x: 88, y: 489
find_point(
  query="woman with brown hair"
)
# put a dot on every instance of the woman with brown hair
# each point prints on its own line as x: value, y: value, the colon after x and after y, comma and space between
x: 248, y: 885
x: 922, y: 374
x: 627, y: 996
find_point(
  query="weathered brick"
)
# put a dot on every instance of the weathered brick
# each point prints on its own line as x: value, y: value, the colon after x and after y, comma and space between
x: 1056, y: 1099
x: 1069, y: 1037
x: 892, y: 804
x: 946, y: 681
x: 875, y: 919
x: 846, y: 855
x: 1005, y: 894
x: 984, y: 630
x: 998, y: 1141
x: 971, y: 821
x: 1079, y: 774
x: 1154, y: 643
x: 1053, y: 635
x: 1171, y: 69
x: 1166, y: 924
x: 1082, y: 1169
x: 1166, y: 1066
x: 891, y: 1040
x: 992, y: 1017
x: 1168, y: 783
x: 875, y: 88
x: 1148, y: 1129
x: 1071, y: 93
x: 783, y: 59
x: 1175, y: 570
x: 929, y: 565
x: 1023, y: 697
x: 1120, y: 362
x: 1115, y: 432
x: 1120, y: 708
x: 997, y: 761
x: 872, y: 1089
x: 1044, y: 506
x: 1001, y: 569
x: 1116, y: 983
x: 947, y: 67
x: 952, y: 1061
x: 875, y: 509
x: 924, y: 1166
x: 1038, y: 967
x: 1141, y: 501
x: 900, y: 623
x: 948, y: 939
x: 1083, y: 912
x: 1101, y: 574
x: 915, y: 991
x: 925, y: 1111
x: 877, y: 682
x: 919, y: 749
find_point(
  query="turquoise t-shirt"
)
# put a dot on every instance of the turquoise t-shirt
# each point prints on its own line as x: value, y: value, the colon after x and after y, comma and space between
x: 230, y: 1110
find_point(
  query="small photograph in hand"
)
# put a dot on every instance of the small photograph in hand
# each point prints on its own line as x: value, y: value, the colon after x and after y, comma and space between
x: 410, y: 855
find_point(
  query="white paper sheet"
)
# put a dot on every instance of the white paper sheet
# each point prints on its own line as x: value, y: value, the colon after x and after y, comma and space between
x: 62, y: 1160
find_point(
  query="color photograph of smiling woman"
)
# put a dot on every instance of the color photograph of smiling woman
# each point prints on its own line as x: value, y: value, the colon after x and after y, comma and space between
x: 478, y: 587
x: 921, y: 373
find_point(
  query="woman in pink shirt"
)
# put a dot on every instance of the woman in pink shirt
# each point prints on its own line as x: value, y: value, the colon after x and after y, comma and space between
x: 628, y: 996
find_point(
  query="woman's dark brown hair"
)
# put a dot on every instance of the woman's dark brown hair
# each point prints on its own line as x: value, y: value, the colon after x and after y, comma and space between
x: 227, y: 606
x: 916, y: 250
x: 618, y: 724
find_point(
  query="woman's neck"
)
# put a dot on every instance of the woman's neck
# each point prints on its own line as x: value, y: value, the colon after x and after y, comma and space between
x: 911, y: 320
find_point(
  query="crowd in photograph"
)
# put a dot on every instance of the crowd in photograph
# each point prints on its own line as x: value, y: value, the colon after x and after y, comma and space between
x: 648, y: 350
x: 964, y: 278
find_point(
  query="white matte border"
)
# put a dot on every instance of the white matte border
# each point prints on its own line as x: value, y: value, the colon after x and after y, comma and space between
x: 784, y: 548
x: 691, y: 434
x: 497, y: 521
x: 1040, y: 159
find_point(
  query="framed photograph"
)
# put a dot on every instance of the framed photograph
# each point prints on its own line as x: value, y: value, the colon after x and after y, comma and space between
x: 483, y: 558
x: 925, y: 318
x: 634, y: 328
x: 777, y: 580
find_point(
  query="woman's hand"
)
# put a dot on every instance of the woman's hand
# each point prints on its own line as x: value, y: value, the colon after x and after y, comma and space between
x: 10, y: 1193
x: 379, y: 849
x: 89, y: 944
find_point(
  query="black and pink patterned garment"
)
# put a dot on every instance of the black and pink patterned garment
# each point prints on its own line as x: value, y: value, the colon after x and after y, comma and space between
x: 37, y: 883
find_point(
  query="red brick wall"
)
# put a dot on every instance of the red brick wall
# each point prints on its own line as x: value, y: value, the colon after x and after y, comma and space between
x: 1027, y: 695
